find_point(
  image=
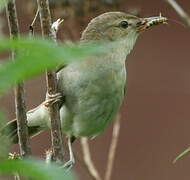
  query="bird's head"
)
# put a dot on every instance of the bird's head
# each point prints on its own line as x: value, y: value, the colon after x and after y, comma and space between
x: 118, y: 27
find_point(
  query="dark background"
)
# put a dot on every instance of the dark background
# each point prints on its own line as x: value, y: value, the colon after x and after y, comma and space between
x: 155, y: 125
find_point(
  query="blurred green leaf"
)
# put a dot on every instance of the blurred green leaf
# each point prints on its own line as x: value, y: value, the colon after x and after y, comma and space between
x: 181, y: 155
x: 34, y: 169
x: 34, y: 56
x: 3, y: 3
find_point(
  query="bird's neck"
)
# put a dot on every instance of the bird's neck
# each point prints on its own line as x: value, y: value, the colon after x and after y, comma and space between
x: 115, y: 50
x: 121, y: 49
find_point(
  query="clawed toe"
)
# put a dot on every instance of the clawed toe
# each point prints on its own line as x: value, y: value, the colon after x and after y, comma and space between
x: 52, y: 99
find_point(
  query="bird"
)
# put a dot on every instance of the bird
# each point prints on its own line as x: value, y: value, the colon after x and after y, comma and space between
x: 92, y: 90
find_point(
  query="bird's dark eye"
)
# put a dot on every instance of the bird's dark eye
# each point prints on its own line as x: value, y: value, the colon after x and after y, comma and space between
x: 124, y: 24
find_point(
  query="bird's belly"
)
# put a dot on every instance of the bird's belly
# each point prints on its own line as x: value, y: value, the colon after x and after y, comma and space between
x: 93, y: 97
x: 100, y: 112
x: 95, y: 105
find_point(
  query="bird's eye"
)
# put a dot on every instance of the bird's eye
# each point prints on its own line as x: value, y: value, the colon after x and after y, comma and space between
x: 124, y: 24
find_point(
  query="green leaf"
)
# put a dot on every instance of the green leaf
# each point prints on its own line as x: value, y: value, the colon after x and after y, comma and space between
x: 181, y: 155
x: 3, y: 3
x: 34, y: 169
x: 34, y: 56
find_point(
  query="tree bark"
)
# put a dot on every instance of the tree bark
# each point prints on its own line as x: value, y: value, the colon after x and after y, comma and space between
x: 51, y: 78
x: 19, y: 90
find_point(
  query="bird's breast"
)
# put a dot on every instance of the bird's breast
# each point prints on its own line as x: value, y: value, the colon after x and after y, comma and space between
x: 93, y: 97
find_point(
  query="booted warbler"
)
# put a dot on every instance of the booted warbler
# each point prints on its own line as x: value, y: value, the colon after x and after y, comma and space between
x: 92, y: 90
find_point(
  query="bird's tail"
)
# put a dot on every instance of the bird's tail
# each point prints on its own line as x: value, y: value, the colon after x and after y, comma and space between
x: 10, y: 130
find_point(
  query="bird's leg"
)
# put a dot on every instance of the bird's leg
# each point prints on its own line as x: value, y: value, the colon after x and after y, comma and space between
x: 69, y: 164
x: 52, y: 98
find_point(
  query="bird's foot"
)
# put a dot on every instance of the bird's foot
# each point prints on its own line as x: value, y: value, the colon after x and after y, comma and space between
x: 52, y: 99
x: 69, y: 165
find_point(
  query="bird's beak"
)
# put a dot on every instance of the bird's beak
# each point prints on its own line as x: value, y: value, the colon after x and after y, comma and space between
x: 145, y: 23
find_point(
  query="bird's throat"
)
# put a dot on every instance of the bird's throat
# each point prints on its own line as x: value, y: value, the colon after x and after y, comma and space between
x: 120, y: 49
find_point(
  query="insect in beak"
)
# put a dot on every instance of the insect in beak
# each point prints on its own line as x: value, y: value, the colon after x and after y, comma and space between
x: 151, y: 21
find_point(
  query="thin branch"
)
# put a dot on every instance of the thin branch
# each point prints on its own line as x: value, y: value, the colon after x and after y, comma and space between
x: 83, y: 165
x: 88, y: 160
x: 113, y: 146
x: 56, y: 133
x: 185, y: 17
x: 19, y: 90
x: 31, y: 27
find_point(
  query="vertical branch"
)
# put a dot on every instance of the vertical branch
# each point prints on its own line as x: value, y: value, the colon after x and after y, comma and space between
x: 45, y: 18
x: 113, y: 146
x: 19, y: 90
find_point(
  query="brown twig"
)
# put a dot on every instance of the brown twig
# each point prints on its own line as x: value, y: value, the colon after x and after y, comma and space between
x: 19, y: 90
x: 88, y: 160
x: 113, y: 146
x: 184, y: 16
x: 57, y: 144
